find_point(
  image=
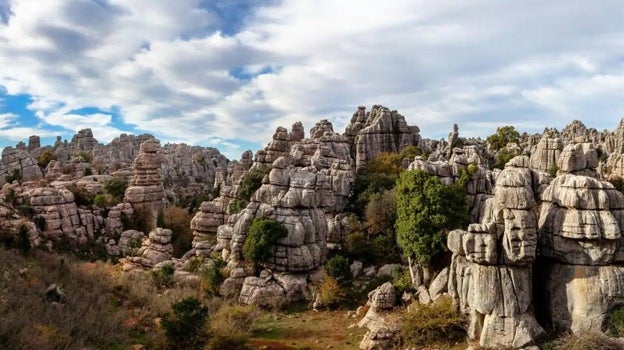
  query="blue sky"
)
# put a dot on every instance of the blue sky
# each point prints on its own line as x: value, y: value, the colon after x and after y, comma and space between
x: 227, y: 73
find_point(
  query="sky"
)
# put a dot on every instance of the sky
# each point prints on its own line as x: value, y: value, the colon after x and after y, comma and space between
x: 227, y: 73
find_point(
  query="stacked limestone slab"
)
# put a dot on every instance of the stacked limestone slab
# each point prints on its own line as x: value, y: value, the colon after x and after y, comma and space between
x: 491, y: 271
x: 18, y: 159
x: 154, y: 250
x: 380, y: 130
x: 381, y: 326
x: 545, y: 154
x: 146, y: 191
x: 580, y: 228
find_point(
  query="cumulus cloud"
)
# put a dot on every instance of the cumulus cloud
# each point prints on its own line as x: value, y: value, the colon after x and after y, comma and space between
x: 183, y: 71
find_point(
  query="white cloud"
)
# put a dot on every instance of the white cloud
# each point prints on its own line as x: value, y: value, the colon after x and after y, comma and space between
x: 166, y: 66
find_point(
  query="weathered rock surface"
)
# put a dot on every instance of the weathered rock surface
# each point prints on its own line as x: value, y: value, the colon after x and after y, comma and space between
x: 380, y: 325
x: 377, y: 131
x: 546, y: 153
x: 153, y: 251
x: 146, y: 191
x: 498, y: 253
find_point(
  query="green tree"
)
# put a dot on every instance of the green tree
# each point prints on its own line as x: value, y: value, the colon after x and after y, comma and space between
x: 45, y: 158
x: 263, y: 234
x: 503, y: 157
x: 503, y: 136
x: 426, y: 209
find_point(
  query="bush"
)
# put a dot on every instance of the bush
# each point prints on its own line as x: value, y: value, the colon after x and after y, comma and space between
x: 178, y: 220
x: 139, y: 220
x: 401, y: 280
x: 116, y: 187
x: 88, y: 158
x: 163, y: 278
x: 103, y: 200
x: 552, y: 171
x: 337, y: 267
x: 88, y: 172
x: 81, y: 195
x: 586, y: 341
x: 329, y: 292
x: 236, y: 206
x: 231, y: 325
x: 16, y: 175
x: 263, y: 234
x: 45, y: 158
x: 358, y: 247
x: 616, y: 323
x: 184, y: 324
x: 503, y: 157
x: 425, y: 324
x: 213, y: 277
x: 40, y: 222
x: 502, y: 137
x: 251, y: 182
x: 381, y: 212
x: 16, y: 240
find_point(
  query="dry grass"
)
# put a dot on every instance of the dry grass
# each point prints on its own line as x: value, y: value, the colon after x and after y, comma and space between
x: 586, y: 341
x: 105, y: 309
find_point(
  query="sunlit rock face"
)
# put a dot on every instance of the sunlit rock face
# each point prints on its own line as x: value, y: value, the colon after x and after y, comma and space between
x: 146, y: 191
x: 498, y: 253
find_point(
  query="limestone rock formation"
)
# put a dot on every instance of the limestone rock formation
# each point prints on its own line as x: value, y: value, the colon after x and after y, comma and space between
x: 380, y: 325
x: 16, y: 161
x: 146, y: 191
x: 154, y: 250
x: 498, y: 253
x: 546, y: 153
x: 377, y: 131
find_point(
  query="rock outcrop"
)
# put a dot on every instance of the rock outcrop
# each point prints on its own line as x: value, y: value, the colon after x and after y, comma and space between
x: 18, y: 163
x: 499, y: 253
x: 146, y: 191
x: 546, y: 153
x: 153, y: 251
x: 380, y: 325
x: 377, y: 131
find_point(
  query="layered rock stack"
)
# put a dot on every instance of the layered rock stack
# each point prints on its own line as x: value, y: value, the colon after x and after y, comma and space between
x: 380, y: 325
x: 18, y: 161
x: 498, y: 253
x: 83, y: 141
x: 154, y: 250
x: 546, y: 153
x: 146, y: 191
x: 580, y: 229
x: 380, y: 130
x: 205, y: 224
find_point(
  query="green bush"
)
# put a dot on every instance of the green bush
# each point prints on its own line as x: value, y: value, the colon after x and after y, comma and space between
x: 45, y: 158
x: 251, y: 182
x: 616, y: 323
x: 16, y: 240
x: 102, y: 200
x: 337, y: 267
x: 384, y: 248
x: 81, y: 195
x: 184, y: 324
x: 88, y: 172
x: 423, y: 324
x: 552, y: 171
x: 358, y: 247
x: 88, y: 158
x: 236, y: 206
x: 213, y: 277
x: 178, y: 220
x: 503, y: 157
x: 502, y: 137
x: 116, y: 187
x: 381, y: 212
x: 401, y: 280
x: 261, y: 237
x: 16, y: 175
x: 163, y: 278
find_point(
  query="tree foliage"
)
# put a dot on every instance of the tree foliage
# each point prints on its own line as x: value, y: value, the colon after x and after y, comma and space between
x: 426, y: 208
x: 178, y: 220
x: 502, y: 137
x: 45, y: 158
x: 184, y: 324
x: 263, y: 234
x: 503, y: 157
x: 251, y: 182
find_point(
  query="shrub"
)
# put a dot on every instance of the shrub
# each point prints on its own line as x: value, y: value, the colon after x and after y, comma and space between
x: 163, y: 278
x: 590, y: 340
x: 425, y: 324
x: 184, y: 324
x: 358, y: 247
x: 367, y: 185
x: 329, y: 292
x: 616, y: 322
x: 81, y: 195
x: 178, y: 220
x: 116, y: 187
x: 261, y: 237
x: 139, y: 220
x: 16, y: 240
x: 552, y: 171
x: 88, y: 172
x: 103, y: 200
x: 503, y: 157
x: 236, y: 206
x: 384, y: 248
x: 68, y: 169
x: 40, y: 222
x: 45, y: 158
x: 337, y: 267
x: 88, y: 158
x: 502, y: 137
x: 381, y: 212
x: 16, y: 175
x: 231, y: 325
x: 401, y: 280
x: 213, y: 277
x: 251, y: 182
